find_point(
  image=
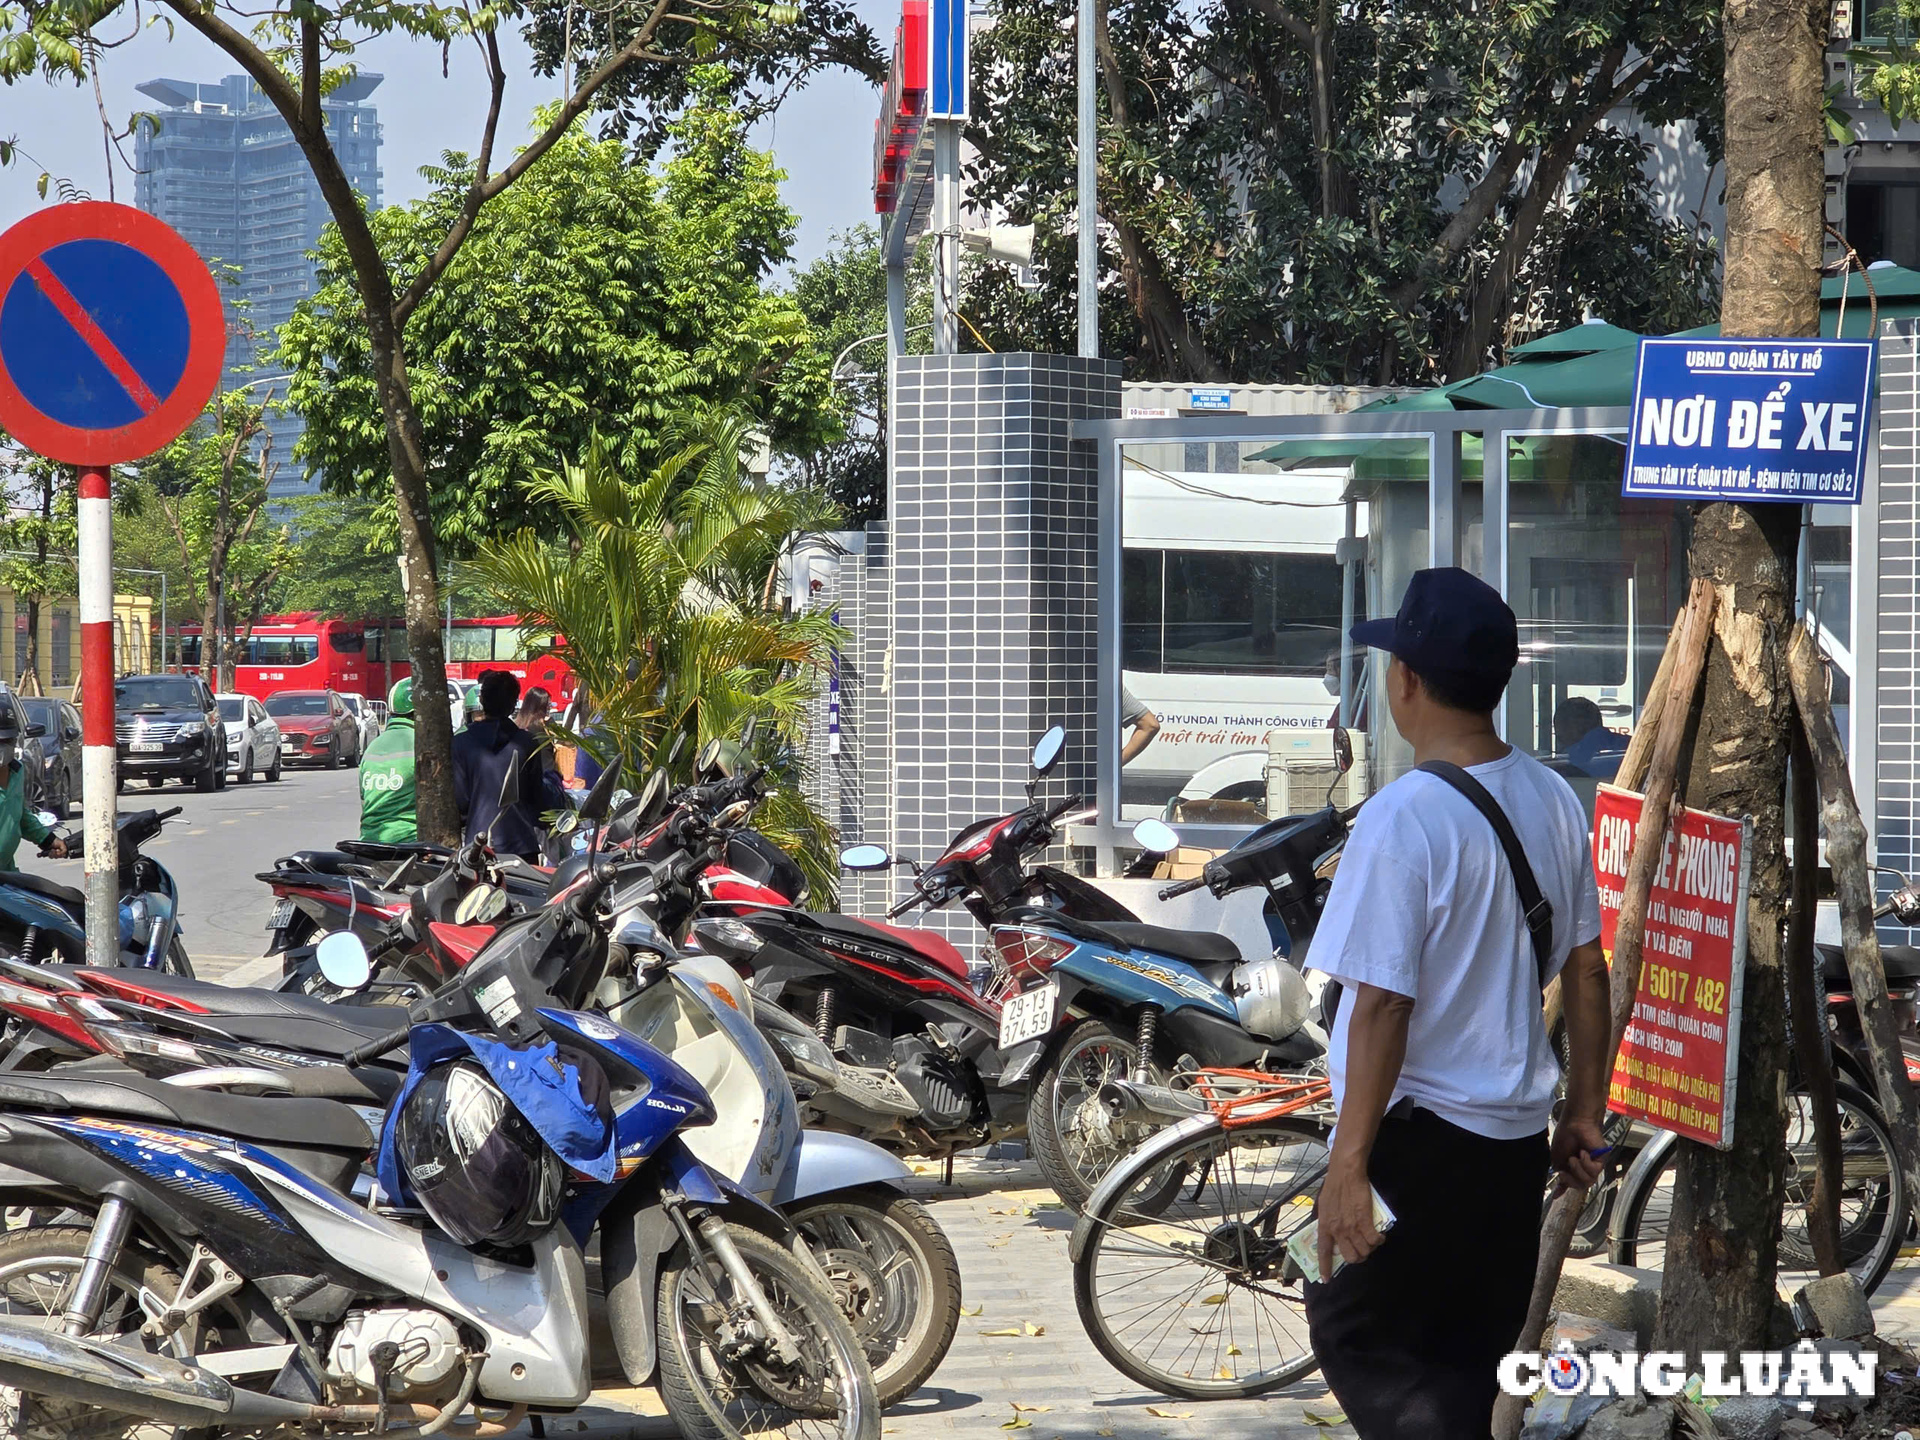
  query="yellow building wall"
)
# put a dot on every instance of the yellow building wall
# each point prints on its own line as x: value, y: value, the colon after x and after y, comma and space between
x: 59, y: 671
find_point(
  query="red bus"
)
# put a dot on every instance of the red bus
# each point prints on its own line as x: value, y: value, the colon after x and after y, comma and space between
x: 311, y: 651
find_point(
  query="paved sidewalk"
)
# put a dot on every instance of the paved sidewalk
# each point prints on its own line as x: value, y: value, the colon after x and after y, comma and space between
x: 1014, y: 1271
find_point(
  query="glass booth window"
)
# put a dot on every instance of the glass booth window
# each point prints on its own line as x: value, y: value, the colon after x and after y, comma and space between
x: 1241, y: 565
x: 1596, y: 580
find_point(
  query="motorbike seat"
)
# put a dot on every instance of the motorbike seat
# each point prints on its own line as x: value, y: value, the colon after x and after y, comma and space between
x: 1199, y: 948
x: 331, y: 1036
x: 231, y: 1000
x: 64, y: 895
x: 316, y: 1124
x: 326, y: 862
x: 925, y: 943
x: 1902, y: 964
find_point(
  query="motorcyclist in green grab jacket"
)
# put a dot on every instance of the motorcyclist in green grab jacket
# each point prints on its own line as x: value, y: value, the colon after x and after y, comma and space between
x: 16, y: 821
x: 386, y: 775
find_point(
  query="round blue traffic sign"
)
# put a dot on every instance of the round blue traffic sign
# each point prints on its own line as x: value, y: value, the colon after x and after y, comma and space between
x: 111, y: 333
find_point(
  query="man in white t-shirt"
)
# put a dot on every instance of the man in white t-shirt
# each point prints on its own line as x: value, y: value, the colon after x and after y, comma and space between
x: 1441, y: 1065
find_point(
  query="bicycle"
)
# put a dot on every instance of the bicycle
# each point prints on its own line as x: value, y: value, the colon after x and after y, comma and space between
x: 1873, y: 1195
x: 1200, y: 1300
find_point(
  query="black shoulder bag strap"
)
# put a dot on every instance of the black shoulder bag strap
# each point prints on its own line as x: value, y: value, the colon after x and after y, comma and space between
x: 1533, y: 905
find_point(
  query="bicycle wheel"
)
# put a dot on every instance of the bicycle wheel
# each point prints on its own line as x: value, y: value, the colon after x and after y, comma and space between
x: 1873, y: 1198
x: 1199, y: 1301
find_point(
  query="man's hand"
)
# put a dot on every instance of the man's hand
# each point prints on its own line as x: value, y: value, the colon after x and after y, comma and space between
x: 1346, y: 1216
x: 57, y: 848
x: 1574, y: 1140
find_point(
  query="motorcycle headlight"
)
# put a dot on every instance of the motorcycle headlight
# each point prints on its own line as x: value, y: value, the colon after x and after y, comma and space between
x: 727, y: 933
x: 809, y: 1056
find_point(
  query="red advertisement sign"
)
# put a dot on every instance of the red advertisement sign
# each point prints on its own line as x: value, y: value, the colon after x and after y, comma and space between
x: 1676, y: 1068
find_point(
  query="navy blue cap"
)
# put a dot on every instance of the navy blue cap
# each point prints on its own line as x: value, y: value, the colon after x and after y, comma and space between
x: 1450, y: 623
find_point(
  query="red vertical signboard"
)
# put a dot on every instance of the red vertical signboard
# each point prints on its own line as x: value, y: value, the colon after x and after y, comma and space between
x: 1677, y: 1066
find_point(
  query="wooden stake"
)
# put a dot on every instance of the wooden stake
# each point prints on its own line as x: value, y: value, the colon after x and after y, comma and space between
x: 1633, y: 765
x: 1657, y: 810
x: 1853, y: 882
x: 1808, y: 1016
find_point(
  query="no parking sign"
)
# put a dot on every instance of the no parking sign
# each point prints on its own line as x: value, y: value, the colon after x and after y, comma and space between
x: 111, y: 341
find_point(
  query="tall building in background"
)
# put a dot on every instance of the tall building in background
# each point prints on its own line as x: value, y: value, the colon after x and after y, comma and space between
x: 225, y: 171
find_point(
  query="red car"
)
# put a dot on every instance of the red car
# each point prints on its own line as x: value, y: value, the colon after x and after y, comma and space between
x: 315, y: 728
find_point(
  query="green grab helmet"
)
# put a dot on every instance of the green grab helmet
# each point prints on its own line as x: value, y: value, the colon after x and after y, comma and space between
x: 400, y: 698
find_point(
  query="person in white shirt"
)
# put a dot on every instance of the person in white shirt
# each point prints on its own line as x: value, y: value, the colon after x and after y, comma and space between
x: 1441, y: 1066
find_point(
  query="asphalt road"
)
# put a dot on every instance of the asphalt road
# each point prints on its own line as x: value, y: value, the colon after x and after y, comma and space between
x: 221, y: 841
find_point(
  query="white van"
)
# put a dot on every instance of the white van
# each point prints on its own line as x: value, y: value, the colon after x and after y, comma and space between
x: 1230, y: 622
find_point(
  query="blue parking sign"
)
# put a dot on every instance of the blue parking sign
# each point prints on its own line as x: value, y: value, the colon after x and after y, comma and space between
x: 1751, y: 419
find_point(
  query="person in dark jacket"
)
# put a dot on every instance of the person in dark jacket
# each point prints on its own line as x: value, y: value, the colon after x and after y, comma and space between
x: 482, y: 754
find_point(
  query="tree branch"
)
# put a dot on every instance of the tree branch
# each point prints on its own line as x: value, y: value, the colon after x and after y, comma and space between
x: 310, y: 111
x: 485, y: 187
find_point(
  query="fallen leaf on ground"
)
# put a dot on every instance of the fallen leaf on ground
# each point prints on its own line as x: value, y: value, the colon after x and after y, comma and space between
x: 1104, y: 1430
x: 1336, y: 1418
x: 1016, y: 1423
x: 1155, y: 1410
x: 1225, y: 1372
x: 976, y: 1310
x: 1233, y: 1350
x: 1033, y: 1329
x: 999, y: 1332
x: 997, y: 1243
x: 1219, y: 1299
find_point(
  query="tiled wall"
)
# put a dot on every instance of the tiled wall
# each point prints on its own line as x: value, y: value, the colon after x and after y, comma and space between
x: 1897, y: 778
x: 976, y: 604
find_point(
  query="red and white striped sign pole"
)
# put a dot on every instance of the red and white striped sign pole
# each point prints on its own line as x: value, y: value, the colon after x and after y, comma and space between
x: 100, y: 783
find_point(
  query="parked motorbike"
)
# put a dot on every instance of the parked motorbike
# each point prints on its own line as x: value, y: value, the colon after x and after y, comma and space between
x: 41, y: 919
x: 228, y: 1278
x: 1123, y: 1008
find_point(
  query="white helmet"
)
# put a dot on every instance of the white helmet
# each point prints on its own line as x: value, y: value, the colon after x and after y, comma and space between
x: 1272, y: 998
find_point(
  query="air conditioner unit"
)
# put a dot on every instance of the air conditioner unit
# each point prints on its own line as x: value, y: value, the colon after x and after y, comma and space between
x: 1300, y: 769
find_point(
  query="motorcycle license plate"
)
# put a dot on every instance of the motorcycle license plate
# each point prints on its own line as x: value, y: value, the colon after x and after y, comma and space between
x: 146, y: 747
x: 282, y: 916
x: 1028, y: 1015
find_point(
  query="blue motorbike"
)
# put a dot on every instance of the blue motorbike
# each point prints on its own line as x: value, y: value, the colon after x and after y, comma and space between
x: 1124, y: 1007
x: 41, y: 919
x: 224, y: 1273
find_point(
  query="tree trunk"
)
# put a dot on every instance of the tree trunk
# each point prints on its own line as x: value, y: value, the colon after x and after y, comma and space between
x: 1719, y: 1288
x: 33, y: 643
x: 1807, y: 1014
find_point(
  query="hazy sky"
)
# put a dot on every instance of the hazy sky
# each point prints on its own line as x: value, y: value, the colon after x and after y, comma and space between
x: 823, y: 137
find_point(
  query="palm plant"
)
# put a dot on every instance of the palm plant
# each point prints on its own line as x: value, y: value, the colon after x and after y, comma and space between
x: 663, y: 592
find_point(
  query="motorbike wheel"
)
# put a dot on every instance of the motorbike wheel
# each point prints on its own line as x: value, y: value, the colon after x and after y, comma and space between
x: 1201, y: 1301
x: 898, y: 1281
x: 38, y: 1269
x: 828, y: 1391
x: 1072, y: 1138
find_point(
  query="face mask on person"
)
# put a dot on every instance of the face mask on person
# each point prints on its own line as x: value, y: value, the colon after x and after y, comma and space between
x: 1332, y: 681
x: 8, y: 750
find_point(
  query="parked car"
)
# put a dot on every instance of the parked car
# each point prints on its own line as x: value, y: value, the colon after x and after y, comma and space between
x: 167, y: 727
x: 363, y: 716
x: 253, y: 737
x: 59, y: 769
x: 315, y: 727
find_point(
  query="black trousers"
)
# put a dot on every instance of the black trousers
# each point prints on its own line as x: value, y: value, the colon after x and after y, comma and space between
x: 1409, y: 1338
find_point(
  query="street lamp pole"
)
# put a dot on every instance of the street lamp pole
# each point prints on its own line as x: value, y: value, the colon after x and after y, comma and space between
x: 1088, y: 208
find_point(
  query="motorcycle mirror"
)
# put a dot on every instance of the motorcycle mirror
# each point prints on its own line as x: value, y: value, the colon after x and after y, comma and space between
x: 652, y: 796
x: 865, y: 857
x: 708, y: 759
x: 679, y: 744
x: 473, y: 904
x: 1047, y: 753
x: 594, y: 807
x: 748, y: 731
x: 1342, y: 749
x: 343, y: 960
x: 1156, y: 837
x: 510, y: 788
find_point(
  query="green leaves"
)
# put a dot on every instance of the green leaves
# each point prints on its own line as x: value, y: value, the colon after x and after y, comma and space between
x: 596, y: 295
x: 671, y: 570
